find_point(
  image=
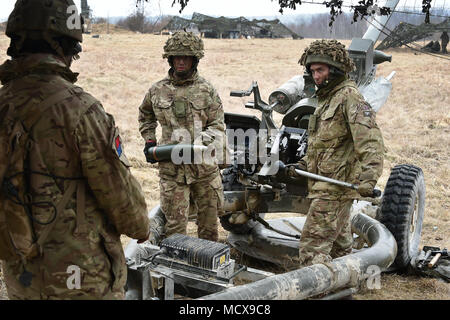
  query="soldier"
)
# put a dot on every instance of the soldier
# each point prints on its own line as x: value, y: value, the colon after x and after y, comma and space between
x: 186, y: 106
x: 345, y: 144
x: 444, y: 39
x: 432, y: 46
x: 80, y: 195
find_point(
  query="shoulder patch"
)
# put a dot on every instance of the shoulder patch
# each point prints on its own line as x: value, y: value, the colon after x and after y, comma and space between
x: 118, y: 148
x: 365, y: 115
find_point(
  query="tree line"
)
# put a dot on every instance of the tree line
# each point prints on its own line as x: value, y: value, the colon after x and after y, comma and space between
x: 317, y: 25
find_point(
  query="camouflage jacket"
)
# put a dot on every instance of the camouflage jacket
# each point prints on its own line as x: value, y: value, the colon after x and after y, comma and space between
x: 77, y: 139
x: 189, y: 111
x: 344, y: 143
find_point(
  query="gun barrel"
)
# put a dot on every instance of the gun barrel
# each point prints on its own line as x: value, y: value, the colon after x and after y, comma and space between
x: 288, y: 94
x: 373, y: 32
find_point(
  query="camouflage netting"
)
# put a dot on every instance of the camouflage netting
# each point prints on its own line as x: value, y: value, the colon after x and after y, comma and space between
x: 330, y: 52
x: 406, y: 33
x: 184, y: 44
x: 223, y: 27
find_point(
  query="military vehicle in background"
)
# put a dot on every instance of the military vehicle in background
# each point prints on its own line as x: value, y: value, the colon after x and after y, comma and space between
x: 86, y: 17
x: 230, y: 28
x: 406, y: 33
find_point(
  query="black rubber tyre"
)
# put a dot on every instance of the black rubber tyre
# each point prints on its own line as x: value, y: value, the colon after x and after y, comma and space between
x: 402, y: 211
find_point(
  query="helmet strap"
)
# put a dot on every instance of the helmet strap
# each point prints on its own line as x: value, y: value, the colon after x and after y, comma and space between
x: 329, y: 84
x: 334, y: 75
x: 186, y: 74
x: 20, y: 41
x: 336, y: 72
x: 57, y: 47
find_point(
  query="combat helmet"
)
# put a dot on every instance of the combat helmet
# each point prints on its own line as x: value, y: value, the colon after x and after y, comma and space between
x: 36, y: 17
x: 330, y: 52
x: 45, y: 20
x: 184, y: 43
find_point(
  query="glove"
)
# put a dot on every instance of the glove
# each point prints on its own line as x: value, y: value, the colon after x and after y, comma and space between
x: 239, y: 218
x: 148, y: 145
x: 301, y: 165
x: 365, y: 189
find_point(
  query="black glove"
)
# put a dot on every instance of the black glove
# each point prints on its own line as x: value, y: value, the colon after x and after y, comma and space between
x: 148, y: 145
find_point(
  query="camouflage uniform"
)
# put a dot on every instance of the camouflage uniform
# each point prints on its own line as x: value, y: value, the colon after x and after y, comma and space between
x: 77, y: 139
x: 186, y: 106
x: 345, y: 144
x: 444, y: 39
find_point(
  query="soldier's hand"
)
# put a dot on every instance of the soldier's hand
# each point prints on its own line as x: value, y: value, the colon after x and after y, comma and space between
x: 301, y: 165
x: 366, y: 189
x: 148, y: 145
x: 151, y: 237
x: 239, y: 218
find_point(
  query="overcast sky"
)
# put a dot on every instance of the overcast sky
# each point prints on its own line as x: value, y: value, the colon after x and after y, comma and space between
x: 231, y: 8
x: 101, y: 8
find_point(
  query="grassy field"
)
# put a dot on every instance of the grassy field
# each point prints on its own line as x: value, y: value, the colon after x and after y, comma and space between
x: 118, y: 69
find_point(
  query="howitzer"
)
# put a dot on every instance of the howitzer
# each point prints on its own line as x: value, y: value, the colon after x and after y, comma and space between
x: 255, y: 189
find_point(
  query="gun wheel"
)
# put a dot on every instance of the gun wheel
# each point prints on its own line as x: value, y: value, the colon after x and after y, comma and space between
x: 402, y: 211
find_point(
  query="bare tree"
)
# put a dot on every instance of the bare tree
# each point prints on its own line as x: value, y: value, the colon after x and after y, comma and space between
x: 139, y: 20
x: 98, y: 20
x: 361, y: 10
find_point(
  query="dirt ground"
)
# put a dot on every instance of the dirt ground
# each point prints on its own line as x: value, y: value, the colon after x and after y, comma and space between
x: 3, y: 294
x: 119, y: 69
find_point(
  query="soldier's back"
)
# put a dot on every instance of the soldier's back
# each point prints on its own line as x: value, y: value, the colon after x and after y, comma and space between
x: 48, y: 102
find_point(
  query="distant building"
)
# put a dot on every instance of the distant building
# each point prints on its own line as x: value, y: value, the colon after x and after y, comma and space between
x: 230, y: 28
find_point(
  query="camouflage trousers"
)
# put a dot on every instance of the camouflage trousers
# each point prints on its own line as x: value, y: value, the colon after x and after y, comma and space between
x: 175, y: 203
x: 327, y: 232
